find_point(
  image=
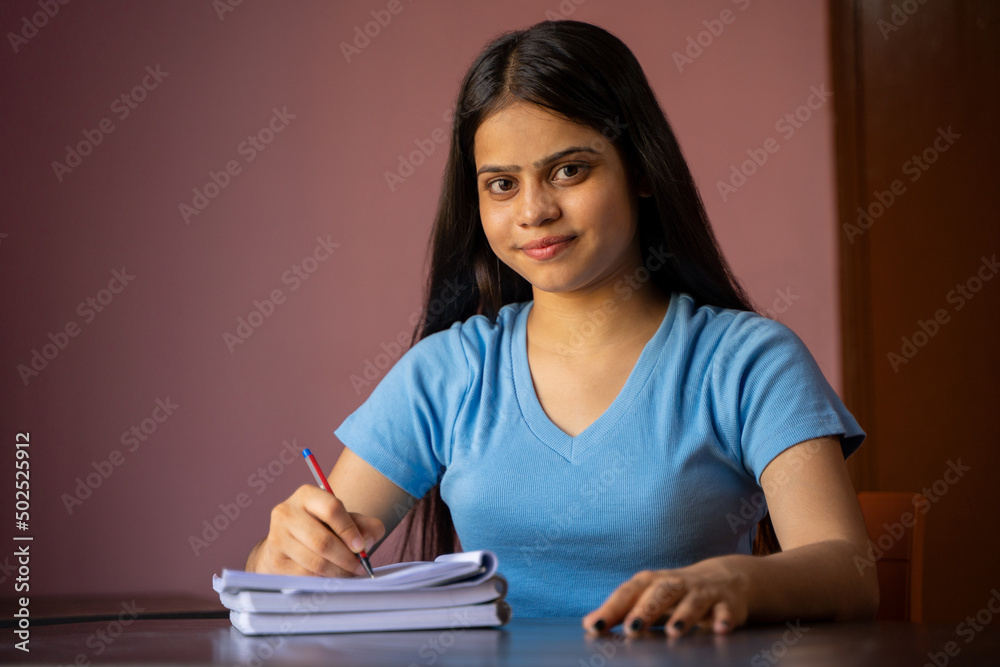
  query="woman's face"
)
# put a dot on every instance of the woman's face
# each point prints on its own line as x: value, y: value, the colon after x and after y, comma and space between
x: 555, y: 200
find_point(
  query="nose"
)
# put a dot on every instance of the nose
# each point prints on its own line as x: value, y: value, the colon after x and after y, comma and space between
x: 538, y: 206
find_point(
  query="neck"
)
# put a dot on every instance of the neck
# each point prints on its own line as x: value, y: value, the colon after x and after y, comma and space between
x: 597, y: 320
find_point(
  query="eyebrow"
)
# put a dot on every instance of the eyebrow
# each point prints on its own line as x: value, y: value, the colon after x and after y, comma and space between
x: 548, y: 159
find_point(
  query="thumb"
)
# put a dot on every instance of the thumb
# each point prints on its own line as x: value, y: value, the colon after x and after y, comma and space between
x: 372, y: 529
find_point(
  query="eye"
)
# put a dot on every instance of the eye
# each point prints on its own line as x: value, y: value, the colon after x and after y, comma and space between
x: 571, y: 171
x: 500, y: 186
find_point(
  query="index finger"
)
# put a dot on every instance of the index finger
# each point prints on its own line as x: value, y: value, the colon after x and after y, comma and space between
x: 618, y: 605
x: 328, y: 509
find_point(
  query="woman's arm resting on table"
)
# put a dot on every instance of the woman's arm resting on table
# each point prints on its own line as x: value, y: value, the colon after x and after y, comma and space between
x: 819, y: 525
x: 310, y: 530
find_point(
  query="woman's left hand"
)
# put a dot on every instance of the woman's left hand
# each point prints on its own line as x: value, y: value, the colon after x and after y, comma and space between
x: 712, y: 593
x: 821, y: 530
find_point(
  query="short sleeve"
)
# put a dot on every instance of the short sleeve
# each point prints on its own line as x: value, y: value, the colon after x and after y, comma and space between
x: 772, y: 394
x: 405, y: 427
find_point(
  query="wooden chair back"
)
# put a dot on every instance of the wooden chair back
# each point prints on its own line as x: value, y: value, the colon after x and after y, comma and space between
x: 895, y: 522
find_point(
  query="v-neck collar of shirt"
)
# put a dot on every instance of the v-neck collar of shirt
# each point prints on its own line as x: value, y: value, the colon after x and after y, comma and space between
x: 538, y: 422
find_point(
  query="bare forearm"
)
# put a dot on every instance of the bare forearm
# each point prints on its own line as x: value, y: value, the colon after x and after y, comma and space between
x: 819, y: 581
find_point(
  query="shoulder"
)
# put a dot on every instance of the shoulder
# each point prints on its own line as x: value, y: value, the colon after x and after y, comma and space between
x: 473, y: 339
x: 725, y: 331
x: 740, y: 350
x: 444, y: 365
x: 763, y: 387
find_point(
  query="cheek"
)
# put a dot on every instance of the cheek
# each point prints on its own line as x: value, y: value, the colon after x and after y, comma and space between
x: 495, y: 225
x: 609, y: 209
x: 492, y: 231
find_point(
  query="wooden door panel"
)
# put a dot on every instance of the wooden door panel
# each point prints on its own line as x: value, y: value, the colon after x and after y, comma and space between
x: 915, y: 89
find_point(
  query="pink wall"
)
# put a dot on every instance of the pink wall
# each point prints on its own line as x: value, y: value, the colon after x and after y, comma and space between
x: 161, y: 336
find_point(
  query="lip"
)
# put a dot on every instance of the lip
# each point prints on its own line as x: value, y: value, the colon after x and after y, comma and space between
x: 546, y: 247
x: 545, y: 241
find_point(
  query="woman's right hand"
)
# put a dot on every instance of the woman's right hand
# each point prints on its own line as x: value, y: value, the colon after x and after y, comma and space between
x: 312, y: 533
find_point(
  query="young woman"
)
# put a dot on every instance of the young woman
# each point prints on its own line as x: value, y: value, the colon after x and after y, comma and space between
x: 592, y: 394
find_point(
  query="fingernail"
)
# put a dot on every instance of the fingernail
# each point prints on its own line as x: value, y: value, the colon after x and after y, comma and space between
x: 358, y: 544
x: 724, y: 625
x: 679, y: 626
x: 636, y: 625
x: 599, y: 625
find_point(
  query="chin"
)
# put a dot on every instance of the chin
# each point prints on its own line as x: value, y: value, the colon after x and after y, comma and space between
x: 554, y: 286
x: 552, y: 278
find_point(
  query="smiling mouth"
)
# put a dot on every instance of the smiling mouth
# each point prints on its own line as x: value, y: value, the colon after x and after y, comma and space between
x: 546, y: 247
x: 546, y: 242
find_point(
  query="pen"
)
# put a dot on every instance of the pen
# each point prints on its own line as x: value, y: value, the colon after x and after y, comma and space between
x: 323, y: 484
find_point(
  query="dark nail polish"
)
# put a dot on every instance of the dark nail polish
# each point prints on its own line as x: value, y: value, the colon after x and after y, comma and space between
x: 679, y: 626
x: 636, y: 625
x: 599, y: 625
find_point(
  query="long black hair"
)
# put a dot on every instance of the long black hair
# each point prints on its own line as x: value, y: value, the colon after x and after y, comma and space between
x: 586, y: 75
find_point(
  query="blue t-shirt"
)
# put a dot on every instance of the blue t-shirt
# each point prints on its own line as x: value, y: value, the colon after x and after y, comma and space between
x: 667, y: 476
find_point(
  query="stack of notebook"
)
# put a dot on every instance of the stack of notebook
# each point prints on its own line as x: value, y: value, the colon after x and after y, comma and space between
x: 462, y: 590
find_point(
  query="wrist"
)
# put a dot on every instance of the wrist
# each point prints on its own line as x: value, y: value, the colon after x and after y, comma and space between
x: 254, y: 556
x: 743, y: 578
x: 740, y: 570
